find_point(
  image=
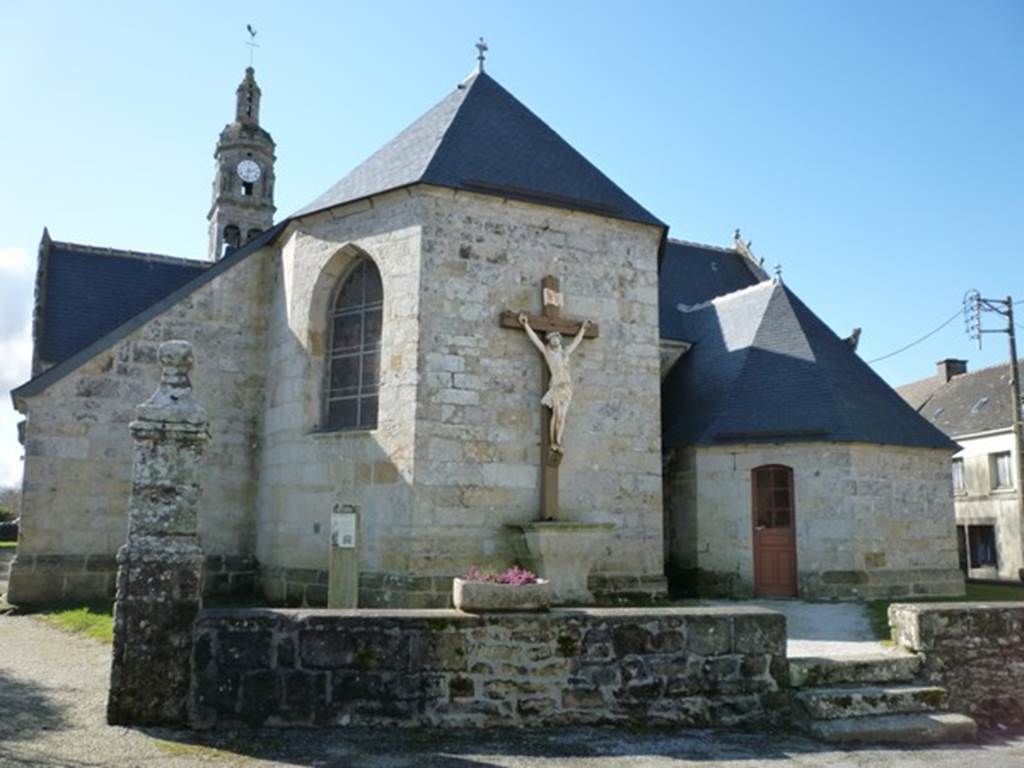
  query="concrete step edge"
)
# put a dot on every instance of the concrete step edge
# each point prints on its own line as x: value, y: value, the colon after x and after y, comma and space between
x: 920, y: 728
x: 840, y: 702
x: 808, y: 671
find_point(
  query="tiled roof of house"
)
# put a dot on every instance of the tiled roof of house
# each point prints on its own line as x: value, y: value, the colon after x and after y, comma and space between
x: 88, y: 292
x: 968, y: 403
x: 482, y: 139
x: 764, y: 368
x: 917, y: 393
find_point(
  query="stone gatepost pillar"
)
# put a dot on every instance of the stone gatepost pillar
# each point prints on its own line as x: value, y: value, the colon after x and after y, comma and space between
x: 160, y: 566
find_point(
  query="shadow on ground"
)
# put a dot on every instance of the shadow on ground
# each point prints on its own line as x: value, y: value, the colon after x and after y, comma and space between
x: 26, y: 711
x: 431, y: 748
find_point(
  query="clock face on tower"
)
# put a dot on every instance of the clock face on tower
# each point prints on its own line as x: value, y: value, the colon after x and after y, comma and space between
x: 248, y: 170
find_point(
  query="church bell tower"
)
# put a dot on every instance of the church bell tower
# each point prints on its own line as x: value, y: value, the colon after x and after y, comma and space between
x: 243, y: 183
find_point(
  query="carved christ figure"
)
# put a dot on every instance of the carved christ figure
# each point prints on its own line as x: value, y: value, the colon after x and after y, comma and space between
x: 559, y: 394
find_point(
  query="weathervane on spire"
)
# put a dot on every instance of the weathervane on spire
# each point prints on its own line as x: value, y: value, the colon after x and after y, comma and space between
x: 482, y: 49
x: 778, y: 272
x: 251, y: 43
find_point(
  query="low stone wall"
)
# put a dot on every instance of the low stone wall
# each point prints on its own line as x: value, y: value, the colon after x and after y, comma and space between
x: 974, y: 650
x: 683, y: 666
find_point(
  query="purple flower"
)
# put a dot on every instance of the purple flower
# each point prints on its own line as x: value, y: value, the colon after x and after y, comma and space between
x: 514, y: 576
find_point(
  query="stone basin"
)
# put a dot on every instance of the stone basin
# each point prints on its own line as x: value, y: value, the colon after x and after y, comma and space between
x: 564, y: 553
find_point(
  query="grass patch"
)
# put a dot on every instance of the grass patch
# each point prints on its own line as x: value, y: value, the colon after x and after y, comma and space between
x: 198, y: 752
x: 878, y: 610
x: 95, y: 620
x: 8, y: 545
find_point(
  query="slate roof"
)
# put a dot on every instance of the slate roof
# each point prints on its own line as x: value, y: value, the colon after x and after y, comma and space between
x: 968, y: 403
x: 482, y: 139
x: 39, y: 382
x: 88, y: 292
x: 692, y: 273
x: 764, y: 368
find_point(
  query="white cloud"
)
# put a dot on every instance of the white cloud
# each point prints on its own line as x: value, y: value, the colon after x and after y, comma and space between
x: 17, y: 275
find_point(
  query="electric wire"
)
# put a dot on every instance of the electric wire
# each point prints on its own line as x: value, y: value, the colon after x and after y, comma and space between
x: 954, y: 316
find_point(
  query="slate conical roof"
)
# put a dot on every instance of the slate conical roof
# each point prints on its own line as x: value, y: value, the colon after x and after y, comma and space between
x: 765, y: 368
x: 482, y: 139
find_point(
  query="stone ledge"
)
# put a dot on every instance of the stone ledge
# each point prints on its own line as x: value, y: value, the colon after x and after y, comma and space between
x: 450, y: 614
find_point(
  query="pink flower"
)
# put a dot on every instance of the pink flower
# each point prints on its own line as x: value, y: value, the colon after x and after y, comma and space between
x: 514, y: 576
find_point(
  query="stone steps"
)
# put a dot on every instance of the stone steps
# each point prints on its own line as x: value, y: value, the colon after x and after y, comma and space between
x: 882, y: 667
x: 920, y: 728
x: 872, y: 698
x: 847, y: 702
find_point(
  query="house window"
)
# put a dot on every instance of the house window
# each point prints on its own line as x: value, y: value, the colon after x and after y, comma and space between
x: 1002, y: 470
x: 354, y: 361
x: 981, y: 540
x: 959, y: 486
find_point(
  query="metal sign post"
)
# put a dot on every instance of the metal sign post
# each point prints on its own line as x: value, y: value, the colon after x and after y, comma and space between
x: 343, y: 567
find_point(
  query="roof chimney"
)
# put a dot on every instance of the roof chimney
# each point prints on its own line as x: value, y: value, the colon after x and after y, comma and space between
x: 949, y: 368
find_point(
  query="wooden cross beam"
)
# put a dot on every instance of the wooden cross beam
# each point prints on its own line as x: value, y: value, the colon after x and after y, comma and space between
x: 549, y: 320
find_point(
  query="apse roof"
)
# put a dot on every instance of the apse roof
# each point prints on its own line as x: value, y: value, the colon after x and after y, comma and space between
x: 764, y: 368
x: 480, y: 138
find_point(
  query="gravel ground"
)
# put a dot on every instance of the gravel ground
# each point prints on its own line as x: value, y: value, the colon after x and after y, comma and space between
x: 53, y: 692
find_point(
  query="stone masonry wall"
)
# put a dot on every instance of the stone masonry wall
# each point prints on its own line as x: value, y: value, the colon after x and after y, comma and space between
x: 455, y: 455
x: 478, y: 416
x: 78, y: 450
x: 679, y: 666
x: 974, y: 650
x: 306, y: 471
x: 871, y: 521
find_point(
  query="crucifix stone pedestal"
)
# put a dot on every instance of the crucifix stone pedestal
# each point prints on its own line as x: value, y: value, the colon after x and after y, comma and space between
x: 561, y: 551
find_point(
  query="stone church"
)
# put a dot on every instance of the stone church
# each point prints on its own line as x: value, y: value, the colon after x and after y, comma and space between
x: 364, y: 351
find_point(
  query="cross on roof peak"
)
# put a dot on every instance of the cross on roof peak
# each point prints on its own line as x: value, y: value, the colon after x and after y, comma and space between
x: 481, y: 47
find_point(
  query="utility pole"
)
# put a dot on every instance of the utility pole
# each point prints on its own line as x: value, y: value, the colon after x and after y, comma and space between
x: 1004, y: 307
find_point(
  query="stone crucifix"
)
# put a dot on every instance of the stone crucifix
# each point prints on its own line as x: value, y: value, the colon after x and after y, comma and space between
x: 557, y: 382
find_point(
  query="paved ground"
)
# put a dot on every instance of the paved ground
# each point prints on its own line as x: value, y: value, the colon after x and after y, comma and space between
x: 822, y: 629
x: 53, y: 688
x: 825, y: 629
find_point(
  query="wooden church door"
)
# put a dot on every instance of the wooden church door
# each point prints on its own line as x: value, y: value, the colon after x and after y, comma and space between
x: 774, y: 532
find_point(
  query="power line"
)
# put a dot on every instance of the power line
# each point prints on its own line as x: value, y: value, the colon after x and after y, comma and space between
x: 928, y: 335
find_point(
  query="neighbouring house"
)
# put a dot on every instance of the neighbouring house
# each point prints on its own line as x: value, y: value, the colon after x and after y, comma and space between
x: 976, y: 410
x: 354, y: 353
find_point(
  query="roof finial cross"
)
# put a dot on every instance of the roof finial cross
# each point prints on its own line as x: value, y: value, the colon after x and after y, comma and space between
x: 482, y: 49
x: 778, y: 272
x: 251, y: 43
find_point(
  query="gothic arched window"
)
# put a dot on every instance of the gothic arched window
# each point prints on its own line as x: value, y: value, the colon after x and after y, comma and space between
x: 354, y: 353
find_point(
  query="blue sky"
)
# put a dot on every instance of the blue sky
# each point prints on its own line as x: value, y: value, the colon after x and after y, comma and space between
x: 873, y: 148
